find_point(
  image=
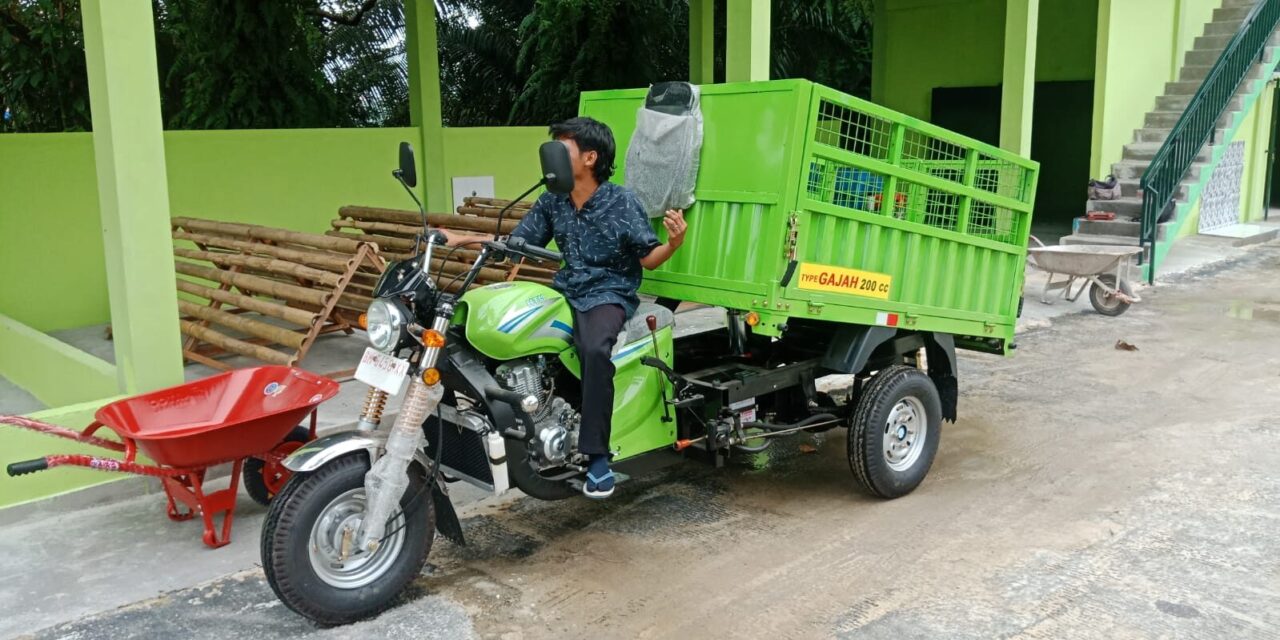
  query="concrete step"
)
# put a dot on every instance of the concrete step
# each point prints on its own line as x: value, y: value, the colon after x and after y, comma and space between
x: 1208, y: 57
x: 1161, y: 134
x: 1133, y: 169
x: 1228, y: 27
x: 1228, y: 14
x: 1131, y: 188
x: 1181, y: 87
x: 1239, y: 3
x: 1166, y: 119
x: 1194, y: 73
x: 1242, y: 234
x: 1147, y: 151
x: 1191, y: 77
x: 1151, y: 135
x: 1089, y: 238
x: 1214, y: 43
x: 1201, y: 57
x: 1119, y: 228
x: 1129, y: 169
x: 1219, y: 41
x: 1179, y: 103
x: 1123, y: 207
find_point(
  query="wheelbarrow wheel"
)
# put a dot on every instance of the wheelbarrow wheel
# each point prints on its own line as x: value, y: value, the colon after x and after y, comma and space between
x: 306, y: 544
x: 1105, y: 303
x: 262, y: 479
x: 894, y: 432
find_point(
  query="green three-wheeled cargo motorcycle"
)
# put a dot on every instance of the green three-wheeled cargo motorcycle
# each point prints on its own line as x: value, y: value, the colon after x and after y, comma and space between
x: 839, y: 237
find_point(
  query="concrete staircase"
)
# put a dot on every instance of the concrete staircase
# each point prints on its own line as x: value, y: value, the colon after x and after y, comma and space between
x: 1126, y: 228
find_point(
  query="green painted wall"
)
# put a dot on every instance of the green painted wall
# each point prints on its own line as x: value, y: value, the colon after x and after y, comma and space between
x: 1191, y: 16
x: 937, y: 43
x: 49, y: 231
x: 509, y: 154
x: 916, y: 44
x: 54, y: 372
x: 293, y: 178
x: 923, y: 44
x: 1136, y: 40
x: 1066, y: 46
x: 1256, y: 132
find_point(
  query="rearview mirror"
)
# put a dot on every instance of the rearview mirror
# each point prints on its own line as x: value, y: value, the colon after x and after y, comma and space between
x: 408, y: 166
x: 557, y: 170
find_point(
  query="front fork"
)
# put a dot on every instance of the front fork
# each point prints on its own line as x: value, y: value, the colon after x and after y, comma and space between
x: 388, y: 477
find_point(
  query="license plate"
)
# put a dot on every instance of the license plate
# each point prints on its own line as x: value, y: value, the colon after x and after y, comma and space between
x: 382, y: 371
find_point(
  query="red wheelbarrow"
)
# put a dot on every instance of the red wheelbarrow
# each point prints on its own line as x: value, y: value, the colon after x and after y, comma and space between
x: 248, y: 417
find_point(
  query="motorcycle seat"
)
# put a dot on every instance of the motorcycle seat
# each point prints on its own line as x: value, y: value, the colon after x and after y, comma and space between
x: 637, y: 327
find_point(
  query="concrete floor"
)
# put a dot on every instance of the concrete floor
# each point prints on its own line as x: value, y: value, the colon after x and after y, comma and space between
x: 1085, y: 492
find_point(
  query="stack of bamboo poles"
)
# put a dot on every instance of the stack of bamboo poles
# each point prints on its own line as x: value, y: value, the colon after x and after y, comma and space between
x: 299, y: 285
x: 397, y: 231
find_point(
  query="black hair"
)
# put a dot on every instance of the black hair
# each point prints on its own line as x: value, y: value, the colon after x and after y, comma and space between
x: 591, y: 135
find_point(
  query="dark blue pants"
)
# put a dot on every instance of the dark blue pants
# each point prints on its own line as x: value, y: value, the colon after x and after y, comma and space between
x: 594, y: 334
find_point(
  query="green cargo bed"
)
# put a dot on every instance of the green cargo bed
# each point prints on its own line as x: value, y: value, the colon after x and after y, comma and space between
x: 792, y: 220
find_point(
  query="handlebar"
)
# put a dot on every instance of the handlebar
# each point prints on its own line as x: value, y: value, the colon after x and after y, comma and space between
x: 518, y: 245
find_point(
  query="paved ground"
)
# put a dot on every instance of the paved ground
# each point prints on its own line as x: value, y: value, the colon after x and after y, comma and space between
x: 1085, y: 492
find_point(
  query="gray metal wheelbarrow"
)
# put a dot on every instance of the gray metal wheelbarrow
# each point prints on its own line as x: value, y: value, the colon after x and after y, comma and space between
x: 1105, y: 267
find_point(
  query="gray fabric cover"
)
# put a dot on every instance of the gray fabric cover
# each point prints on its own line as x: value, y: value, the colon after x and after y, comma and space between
x: 637, y: 328
x: 662, y: 158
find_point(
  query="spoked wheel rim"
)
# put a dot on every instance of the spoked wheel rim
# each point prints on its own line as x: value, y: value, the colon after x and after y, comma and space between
x: 905, y: 432
x: 336, y: 529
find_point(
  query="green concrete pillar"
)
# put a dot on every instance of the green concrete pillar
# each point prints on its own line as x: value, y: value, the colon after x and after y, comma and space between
x: 1018, y: 91
x: 702, y: 41
x: 133, y: 192
x: 424, y: 100
x: 1102, y: 125
x: 746, y: 55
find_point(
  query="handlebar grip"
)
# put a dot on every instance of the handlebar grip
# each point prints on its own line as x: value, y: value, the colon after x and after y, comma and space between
x: 27, y: 466
x: 545, y: 254
x: 518, y: 244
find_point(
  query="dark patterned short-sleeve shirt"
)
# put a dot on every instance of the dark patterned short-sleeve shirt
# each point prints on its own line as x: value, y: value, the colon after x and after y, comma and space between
x: 602, y: 245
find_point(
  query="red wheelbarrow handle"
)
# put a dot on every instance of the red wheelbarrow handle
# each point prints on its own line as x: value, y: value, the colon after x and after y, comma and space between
x: 55, y: 430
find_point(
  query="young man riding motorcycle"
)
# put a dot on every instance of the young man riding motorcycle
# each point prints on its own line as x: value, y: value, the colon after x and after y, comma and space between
x: 605, y: 237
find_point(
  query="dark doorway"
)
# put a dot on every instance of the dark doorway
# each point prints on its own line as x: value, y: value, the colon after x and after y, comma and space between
x: 1061, y: 136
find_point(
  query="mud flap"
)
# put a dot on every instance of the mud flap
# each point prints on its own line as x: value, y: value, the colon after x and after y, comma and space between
x: 943, y: 347
x: 447, y: 522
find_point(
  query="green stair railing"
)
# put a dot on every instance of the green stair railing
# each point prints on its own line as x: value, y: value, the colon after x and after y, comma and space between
x: 1199, y: 123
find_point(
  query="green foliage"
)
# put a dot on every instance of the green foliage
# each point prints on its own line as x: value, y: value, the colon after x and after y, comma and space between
x: 367, y: 67
x: 324, y: 63
x: 479, y: 79
x: 568, y: 46
x: 42, y: 75
x: 826, y: 41
x: 247, y: 64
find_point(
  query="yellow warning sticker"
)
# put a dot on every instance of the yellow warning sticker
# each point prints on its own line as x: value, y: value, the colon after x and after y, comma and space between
x: 821, y: 277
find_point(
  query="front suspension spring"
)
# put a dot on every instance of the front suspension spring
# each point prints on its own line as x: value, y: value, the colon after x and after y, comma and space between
x: 374, y: 403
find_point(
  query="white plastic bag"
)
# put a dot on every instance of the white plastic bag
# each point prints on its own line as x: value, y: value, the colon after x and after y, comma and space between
x: 662, y: 158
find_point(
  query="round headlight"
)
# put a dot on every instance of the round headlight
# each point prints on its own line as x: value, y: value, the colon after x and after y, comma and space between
x: 385, y: 322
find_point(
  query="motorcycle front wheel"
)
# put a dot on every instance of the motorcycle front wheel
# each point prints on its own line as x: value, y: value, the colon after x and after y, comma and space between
x: 308, y: 544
